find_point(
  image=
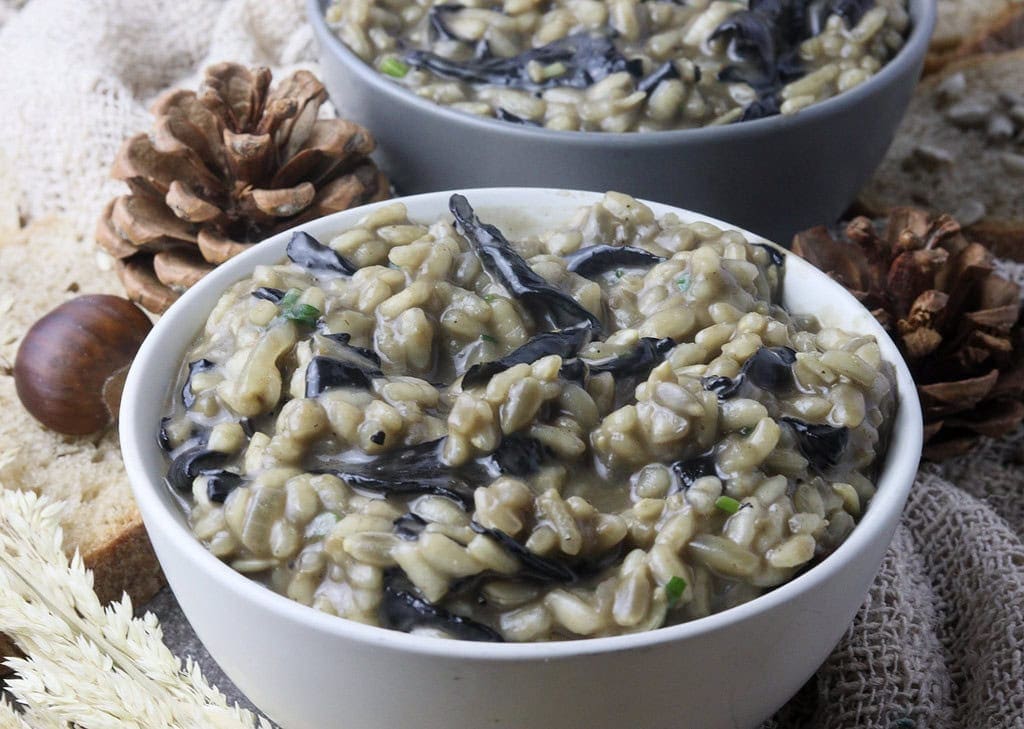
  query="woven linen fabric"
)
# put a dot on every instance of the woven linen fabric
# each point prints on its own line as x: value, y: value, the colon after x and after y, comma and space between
x: 939, y: 640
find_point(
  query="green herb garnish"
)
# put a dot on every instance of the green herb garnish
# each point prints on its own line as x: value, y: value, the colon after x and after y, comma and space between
x: 489, y: 298
x: 674, y: 589
x: 727, y: 504
x: 745, y: 430
x: 488, y: 338
x: 394, y: 67
x: 683, y: 282
x: 293, y: 310
x: 619, y: 273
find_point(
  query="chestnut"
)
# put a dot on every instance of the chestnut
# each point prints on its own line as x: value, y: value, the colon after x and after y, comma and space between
x: 71, y: 364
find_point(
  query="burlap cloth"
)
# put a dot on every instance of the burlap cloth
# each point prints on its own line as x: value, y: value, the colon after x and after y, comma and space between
x: 938, y: 643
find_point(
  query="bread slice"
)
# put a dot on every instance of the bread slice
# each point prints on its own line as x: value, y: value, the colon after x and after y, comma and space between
x: 1003, y: 31
x: 40, y: 267
x: 960, y: 149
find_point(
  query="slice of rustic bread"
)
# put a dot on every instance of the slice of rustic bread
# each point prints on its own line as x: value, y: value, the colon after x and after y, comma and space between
x: 40, y: 267
x: 960, y: 149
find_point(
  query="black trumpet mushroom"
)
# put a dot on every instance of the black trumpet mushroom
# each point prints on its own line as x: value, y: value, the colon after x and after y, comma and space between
x: 566, y: 343
x: 770, y: 368
x: 508, y: 267
x: 188, y: 397
x: 532, y: 566
x: 648, y: 354
x: 306, y: 251
x: 585, y: 58
x: 689, y: 470
x: 821, y: 444
x: 401, y: 609
x: 592, y: 261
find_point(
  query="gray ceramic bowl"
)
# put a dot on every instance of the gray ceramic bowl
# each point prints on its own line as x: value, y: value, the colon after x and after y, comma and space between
x: 773, y: 176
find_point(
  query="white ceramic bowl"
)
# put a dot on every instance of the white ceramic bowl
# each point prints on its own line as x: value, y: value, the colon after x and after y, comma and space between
x: 774, y: 176
x: 309, y: 670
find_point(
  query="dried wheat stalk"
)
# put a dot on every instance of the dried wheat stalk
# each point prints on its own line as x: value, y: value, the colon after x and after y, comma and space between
x: 87, y: 665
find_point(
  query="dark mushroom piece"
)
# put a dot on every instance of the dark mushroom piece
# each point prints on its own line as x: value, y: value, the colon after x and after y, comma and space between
x: 821, y: 444
x: 403, y: 610
x: 416, y: 469
x: 163, y: 438
x: 664, y: 72
x: 304, y: 250
x: 592, y: 261
x: 505, y: 115
x: 763, y: 106
x: 508, y: 267
x: 439, y: 25
x: 409, y: 526
x: 371, y: 358
x: 648, y: 354
x: 770, y: 368
x: 188, y: 398
x: 690, y: 469
x: 220, y: 483
x: 269, y: 294
x: 566, y: 343
x: 586, y: 59
x: 534, y: 566
x: 192, y: 462
x: 775, y: 256
x: 324, y: 373
x: 819, y: 11
x: 516, y: 455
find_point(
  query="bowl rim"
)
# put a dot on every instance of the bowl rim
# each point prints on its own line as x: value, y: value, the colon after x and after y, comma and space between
x: 894, y: 482
x: 923, y: 14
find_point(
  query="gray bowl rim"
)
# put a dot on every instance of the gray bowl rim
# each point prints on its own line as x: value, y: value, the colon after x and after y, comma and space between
x: 894, y: 481
x: 923, y: 15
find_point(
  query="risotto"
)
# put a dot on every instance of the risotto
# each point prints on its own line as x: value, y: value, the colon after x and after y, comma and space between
x: 624, y: 65
x: 605, y: 428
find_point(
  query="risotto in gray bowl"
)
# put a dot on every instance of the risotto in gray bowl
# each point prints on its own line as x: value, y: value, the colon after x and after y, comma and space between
x: 624, y: 65
x: 441, y: 427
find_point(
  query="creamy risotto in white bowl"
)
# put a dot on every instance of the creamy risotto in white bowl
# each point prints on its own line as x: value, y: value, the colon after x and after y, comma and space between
x: 614, y: 456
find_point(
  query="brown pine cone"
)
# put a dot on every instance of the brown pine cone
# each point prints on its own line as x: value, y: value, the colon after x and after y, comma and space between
x: 955, y: 320
x: 225, y: 168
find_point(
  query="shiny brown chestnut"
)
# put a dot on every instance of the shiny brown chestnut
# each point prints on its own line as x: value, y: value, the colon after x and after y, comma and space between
x: 71, y: 365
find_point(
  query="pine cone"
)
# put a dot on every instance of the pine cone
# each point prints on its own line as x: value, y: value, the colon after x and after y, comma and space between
x: 955, y: 320
x: 225, y: 168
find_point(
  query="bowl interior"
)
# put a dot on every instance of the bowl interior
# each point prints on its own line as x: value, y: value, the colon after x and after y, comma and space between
x: 517, y: 211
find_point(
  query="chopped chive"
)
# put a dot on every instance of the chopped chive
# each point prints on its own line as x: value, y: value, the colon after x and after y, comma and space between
x: 674, y: 589
x: 619, y: 273
x: 490, y: 298
x: 488, y: 338
x: 303, y: 313
x: 727, y: 504
x: 683, y: 282
x: 745, y: 430
x: 290, y: 298
x: 394, y: 67
x: 293, y: 310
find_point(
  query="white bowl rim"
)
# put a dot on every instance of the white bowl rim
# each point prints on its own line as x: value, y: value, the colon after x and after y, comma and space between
x: 893, y: 484
x: 912, y: 51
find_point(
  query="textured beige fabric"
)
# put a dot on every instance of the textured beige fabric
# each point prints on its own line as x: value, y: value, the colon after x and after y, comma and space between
x: 939, y: 641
